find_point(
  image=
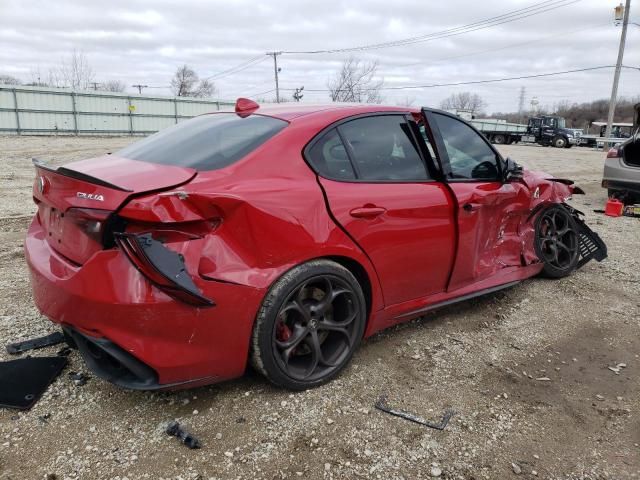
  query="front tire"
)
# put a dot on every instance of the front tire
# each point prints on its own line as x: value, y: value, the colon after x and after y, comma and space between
x: 557, y: 241
x: 499, y: 139
x: 560, y: 142
x: 309, y: 325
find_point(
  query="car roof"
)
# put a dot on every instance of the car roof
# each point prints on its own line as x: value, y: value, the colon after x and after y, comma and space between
x: 291, y: 111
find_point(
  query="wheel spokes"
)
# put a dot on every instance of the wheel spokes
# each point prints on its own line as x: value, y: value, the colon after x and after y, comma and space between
x: 336, y: 327
x: 558, y: 240
x: 317, y: 327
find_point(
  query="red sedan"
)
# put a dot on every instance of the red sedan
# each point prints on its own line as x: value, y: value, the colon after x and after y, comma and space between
x: 283, y: 236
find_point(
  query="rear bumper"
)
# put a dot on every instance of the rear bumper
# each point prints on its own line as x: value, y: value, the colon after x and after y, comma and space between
x: 620, y: 176
x: 115, y: 314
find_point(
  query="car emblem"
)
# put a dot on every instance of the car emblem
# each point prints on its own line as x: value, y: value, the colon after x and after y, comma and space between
x: 536, y: 193
x: 90, y: 196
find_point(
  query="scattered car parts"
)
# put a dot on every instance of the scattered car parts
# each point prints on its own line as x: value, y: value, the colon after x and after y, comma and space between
x: 23, y: 381
x: 34, y: 343
x: 176, y: 430
x: 381, y: 404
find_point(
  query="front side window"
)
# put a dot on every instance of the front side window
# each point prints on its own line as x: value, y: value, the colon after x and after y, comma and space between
x: 208, y: 142
x: 469, y: 154
x: 383, y: 148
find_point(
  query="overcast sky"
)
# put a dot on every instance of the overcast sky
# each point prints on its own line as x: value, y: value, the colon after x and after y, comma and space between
x: 143, y: 41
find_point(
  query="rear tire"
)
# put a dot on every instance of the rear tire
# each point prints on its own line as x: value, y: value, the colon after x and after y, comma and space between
x: 557, y: 241
x: 309, y: 325
x: 499, y: 139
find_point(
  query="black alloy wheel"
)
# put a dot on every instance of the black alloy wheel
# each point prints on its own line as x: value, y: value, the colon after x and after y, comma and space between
x: 315, y: 329
x: 557, y: 241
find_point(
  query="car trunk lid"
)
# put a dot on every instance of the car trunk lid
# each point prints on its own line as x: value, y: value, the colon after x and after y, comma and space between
x: 76, y: 202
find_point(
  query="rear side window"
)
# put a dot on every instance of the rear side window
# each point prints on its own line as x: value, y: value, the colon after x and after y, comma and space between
x: 329, y: 157
x: 208, y: 142
x: 383, y: 149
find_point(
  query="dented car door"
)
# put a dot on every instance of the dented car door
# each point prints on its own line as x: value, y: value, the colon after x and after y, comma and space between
x: 488, y: 210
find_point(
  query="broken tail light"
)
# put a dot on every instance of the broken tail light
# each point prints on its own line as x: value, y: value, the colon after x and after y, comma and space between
x: 162, y: 266
x: 614, y: 152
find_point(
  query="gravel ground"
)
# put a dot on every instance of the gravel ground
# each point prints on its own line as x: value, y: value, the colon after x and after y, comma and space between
x: 485, y: 358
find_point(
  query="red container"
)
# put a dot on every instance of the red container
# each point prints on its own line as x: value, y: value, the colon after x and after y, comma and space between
x: 614, y: 208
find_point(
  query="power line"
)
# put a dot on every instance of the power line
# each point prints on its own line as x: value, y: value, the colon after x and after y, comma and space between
x: 491, y: 50
x: 514, y: 15
x: 261, y: 93
x: 238, y: 68
x: 476, y: 82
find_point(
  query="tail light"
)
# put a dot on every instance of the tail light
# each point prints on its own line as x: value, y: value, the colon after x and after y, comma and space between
x: 162, y: 266
x: 614, y: 152
x: 91, y: 221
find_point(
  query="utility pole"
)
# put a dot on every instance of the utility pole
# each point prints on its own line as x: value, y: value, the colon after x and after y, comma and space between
x: 616, y: 76
x: 139, y: 87
x: 276, y: 71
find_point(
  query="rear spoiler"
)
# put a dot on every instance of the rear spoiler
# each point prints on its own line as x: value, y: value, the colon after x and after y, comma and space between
x: 76, y: 175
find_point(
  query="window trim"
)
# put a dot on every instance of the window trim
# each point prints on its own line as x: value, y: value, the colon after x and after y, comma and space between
x: 443, y: 155
x: 318, y: 136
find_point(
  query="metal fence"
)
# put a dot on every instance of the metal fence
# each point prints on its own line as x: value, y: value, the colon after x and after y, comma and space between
x: 46, y: 111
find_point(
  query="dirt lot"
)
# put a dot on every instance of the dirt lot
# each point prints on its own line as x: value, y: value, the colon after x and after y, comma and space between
x: 481, y: 358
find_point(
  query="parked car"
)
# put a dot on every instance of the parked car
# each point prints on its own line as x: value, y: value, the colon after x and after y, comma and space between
x: 621, y: 175
x: 283, y: 236
x: 619, y: 132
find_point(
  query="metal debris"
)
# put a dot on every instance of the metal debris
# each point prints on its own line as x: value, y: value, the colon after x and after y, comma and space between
x: 381, y: 404
x: 175, y: 429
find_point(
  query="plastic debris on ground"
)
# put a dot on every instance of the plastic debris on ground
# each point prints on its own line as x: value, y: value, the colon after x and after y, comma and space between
x: 23, y: 381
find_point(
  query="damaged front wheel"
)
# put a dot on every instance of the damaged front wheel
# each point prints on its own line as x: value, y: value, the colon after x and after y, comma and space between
x: 557, y: 241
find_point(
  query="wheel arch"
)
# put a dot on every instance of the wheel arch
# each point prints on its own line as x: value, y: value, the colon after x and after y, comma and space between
x: 358, y: 271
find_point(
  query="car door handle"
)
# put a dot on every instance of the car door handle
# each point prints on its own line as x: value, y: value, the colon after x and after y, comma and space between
x: 368, y: 211
x: 471, y: 207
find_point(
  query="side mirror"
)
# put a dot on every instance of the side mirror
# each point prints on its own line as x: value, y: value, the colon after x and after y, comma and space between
x: 512, y: 171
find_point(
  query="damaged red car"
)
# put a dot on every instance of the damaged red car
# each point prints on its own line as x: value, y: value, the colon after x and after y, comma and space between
x: 282, y: 237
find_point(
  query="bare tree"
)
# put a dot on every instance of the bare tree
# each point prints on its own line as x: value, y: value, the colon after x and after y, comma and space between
x: 205, y: 89
x: 74, y: 72
x: 113, y: 86
x: 9, y: 80
x: 36, y: 78
x: 463, y: 101
x: 356, y: 82
x: 186, y: 83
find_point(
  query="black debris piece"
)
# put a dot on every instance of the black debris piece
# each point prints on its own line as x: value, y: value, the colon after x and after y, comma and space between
x: 175, y: 429
x: 40, y: 342
x: 64, y: 352
x: 79, y: 379
x: 381, y: 404
x: 23, y: 381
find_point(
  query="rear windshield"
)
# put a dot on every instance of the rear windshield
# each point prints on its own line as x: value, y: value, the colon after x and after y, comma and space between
x: 207, y: 142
